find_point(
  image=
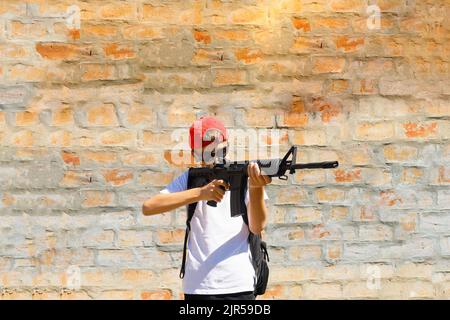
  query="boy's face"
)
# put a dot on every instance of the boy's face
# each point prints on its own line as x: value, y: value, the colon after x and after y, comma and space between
x: 213, y: 153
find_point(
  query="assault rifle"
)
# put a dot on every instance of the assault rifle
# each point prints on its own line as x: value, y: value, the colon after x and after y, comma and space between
x: 235, y: 174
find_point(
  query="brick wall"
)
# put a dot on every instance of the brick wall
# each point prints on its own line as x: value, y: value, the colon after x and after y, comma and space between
x: 87, y: 108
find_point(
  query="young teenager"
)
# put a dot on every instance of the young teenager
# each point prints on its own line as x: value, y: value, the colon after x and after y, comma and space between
x: 218, y: 263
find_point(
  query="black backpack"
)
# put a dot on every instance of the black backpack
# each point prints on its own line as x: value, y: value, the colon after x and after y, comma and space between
x: 258, y: 247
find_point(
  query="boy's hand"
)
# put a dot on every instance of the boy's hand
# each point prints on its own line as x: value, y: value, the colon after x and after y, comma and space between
x: 213, y: 191
x: 257, y: 180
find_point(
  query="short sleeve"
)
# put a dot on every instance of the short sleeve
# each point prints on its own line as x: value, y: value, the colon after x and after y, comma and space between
x: 178, y: 184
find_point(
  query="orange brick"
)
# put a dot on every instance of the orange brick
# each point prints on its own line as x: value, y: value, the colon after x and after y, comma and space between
x: 327, y: 109
x: 231, y: 35
x: 339, y: 86
x: 74, y: 34
x: 307, y: 45
x: 296, y: 235
x: 341, y: 175
x: 374, y: 131
x: 156, y: 139
x: 70, y: 158
x: 348, y: 5
x: 349, y: 44
x: 305, y: 253
x: 179, y: 158
x: 155, y: 178
x: 95, y: 198
x: 116, y: 295
x: 8, y: 200
x: 328, y: 65
x: 13, y: 51
x: 377, y: 232
x: 103, y: 115
x: 339, y: 213
x: 99, y: 30
x: 208, y: 56
x: 33, y: 30
x: 365, y: 86
x: 305, y: 215
x: 156, y: 295
x: 20, y: 72
x: 62, y: 51
x: 118, y: 137
x: 411, y: 175
x: 274, y: 292
x: 364, y: 213
x: 92, y: 72
x: 390, y: 198
x: 438, y: 108
x: 118, y: 52
x: 386, y: 24
x: 443, y: 175
x: 398, y: 153
x: 76, y: 178
x: 225, y: 77
x: 202, y: 36
x: 329, y: 195
x: 137, y: 277
x: 61, y: 138
x: 290, y: 195
x: 301, y: 24
x: 310, y: 137
x: 320, y: 231
x: 296, y: 117
x: 142, y: 32
x: 408, y: 222
x: 248, y: 56
x: 179, y: 116
x: 26, y: 118
x: 420, y: 130
x: 175, y: 236
x: 100, y: 156
x: 310, y: 177
x: 137, y: 114
x: 390, y: 5
x: 23, y: 138
x: 313, y: 6
x: 140, y: 158
x: 255, y: 118
x: 158, y: 13
x: 330, y: 23
x: 248, y: 16
x: 118, y: 10
x: 333, y: 251
x: 62, y: 116
x: 117, y: 177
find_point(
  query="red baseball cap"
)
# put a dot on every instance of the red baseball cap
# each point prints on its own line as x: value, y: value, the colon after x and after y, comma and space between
x: 205, y: 130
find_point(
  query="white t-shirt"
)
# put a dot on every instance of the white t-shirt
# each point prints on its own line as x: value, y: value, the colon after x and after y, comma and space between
x: 219, y: 258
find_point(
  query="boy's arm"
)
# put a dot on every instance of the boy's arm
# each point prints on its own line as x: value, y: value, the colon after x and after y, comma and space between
x: 164, y: 202
x: 256, y: 206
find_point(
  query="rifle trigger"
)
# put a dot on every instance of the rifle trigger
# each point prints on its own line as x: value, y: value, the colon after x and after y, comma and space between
x: 283, y: 177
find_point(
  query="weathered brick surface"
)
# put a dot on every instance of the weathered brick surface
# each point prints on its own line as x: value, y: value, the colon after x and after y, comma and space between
x: 87, y: 111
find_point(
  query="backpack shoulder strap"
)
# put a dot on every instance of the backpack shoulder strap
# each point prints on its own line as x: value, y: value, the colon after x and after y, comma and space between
x: 245, y: 215
x: 190, y: 208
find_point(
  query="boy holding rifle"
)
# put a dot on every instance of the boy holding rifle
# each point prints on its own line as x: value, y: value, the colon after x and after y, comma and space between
x: 219, y: 260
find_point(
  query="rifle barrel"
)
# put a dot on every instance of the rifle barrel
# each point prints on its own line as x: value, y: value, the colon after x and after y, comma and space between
x: 315, y: 165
